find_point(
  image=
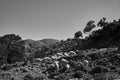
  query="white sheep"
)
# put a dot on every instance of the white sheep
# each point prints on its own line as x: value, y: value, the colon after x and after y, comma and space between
x: 39, y: 59
x: 47, y: 58
x: 66, y: 54
x: 67, y: 66
x: 64, y: 60
x: 72, y: 53
x: 86, y: 62
x: 57, y: 64
x: 54, y: 57
x: 60, y: 54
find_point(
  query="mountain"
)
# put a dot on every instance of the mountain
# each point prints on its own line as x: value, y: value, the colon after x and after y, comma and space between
x: 31, y: 46
x: 40, y: 43
x: 48, y: 42
x: 32, y: 43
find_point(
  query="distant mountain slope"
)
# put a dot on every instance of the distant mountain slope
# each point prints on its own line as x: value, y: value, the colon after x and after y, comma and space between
x: 33, y: 43
x: 48, y: 42
x: 40, y: 43
x: 31, y: 46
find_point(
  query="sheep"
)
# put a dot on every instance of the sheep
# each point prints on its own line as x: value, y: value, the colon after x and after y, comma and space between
x: 66, y: 54
x: 57, y: 65
x: 39, y: 59
x: 47, y: 58
x: 60, y: 55
x: 65, y: 62
x: 67, y: 66
x: 54, y: 57
x: 72, y: 53
x: 86, y: 62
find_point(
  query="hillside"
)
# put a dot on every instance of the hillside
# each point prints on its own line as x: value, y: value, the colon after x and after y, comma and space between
x: 107, y: 36
x: 103, y: 64
x: 31, y: 47
x: 40, y: 43
x: 48, y: 42
x: 96, y: 57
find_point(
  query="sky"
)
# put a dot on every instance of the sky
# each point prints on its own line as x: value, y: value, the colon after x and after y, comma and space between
x: 57, y: 19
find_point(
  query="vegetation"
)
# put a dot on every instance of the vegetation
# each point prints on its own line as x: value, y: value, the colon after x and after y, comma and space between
x: 95, y: 57
x: 78, y: 34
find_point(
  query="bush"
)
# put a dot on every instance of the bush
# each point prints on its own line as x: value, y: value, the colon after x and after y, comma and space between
x: 28, y: 77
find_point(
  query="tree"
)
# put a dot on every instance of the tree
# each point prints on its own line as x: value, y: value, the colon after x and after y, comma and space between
x: 15, y: 52
x: 78, y: 34
x: 3, y: 56
x: 102, y: 22
x: 10, y: 39
x: 89, y: 26
x: 11, y: 48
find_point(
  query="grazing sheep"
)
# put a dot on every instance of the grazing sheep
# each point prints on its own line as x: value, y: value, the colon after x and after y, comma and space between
x: 47, y: 58
x: 65, y: 63
x: 57, y: 64
x: 64, y: 60
x: 86, y: 62
x: 66, y: 54
x: 60, y: 55
x: 67, y: 66
x: 54, y: 57
x: 72, y: 53
x: 39, y: 59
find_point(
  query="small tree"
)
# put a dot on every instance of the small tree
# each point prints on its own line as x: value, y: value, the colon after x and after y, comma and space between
x: 102, y: 22
x: 10, y: 39
x: 78, y: 34
x: 15, y: 52
x: 13, y: 48
x: 89, y: 26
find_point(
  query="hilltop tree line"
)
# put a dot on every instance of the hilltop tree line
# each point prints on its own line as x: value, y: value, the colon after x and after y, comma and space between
x: 101, y: 35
